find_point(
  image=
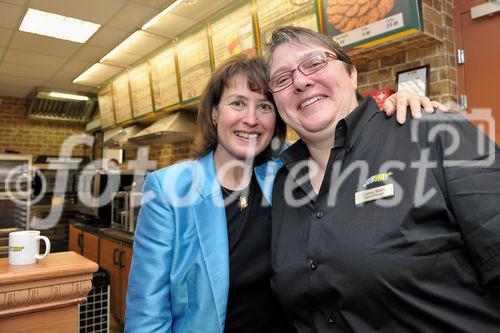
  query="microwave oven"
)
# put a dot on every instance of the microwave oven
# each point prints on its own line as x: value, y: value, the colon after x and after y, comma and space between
x: 98, y: 188
x: 124, y: 210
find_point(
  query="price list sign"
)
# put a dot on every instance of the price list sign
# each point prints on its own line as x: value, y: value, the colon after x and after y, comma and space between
x: 140, y: 89
x: 233, y: 34
x: 164, y: 78
x: 105, y: 100
x: 275, y: 13
x: 121, y: 98
x: 367, y: 23
x: 194, y: 64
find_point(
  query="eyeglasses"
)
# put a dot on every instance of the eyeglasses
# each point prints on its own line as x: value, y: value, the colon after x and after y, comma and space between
x: 307, y: 67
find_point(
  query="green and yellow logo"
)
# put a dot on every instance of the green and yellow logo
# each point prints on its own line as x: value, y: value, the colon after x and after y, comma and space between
x: 380, y: 177
x: 16, y: 248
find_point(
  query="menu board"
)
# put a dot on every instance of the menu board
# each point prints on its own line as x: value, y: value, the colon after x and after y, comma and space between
x: 194, y: 64
x: 140, y: 89
x: 233, y: 34
x: 105, y: 100
x: 368, y: 23
x: 275, y: 13
x: 121, y: 98
x: 164, y: 77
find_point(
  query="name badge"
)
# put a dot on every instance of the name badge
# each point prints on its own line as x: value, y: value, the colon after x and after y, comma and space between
x: 374, y: 194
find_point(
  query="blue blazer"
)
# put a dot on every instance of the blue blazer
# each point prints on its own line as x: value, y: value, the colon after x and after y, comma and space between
x: 179, y: 278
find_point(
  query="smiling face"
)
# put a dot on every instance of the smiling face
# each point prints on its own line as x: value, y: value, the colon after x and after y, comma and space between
x: 245, y: 122
x: 313, y: 104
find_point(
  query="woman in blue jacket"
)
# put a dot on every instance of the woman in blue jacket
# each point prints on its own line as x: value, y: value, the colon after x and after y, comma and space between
x: 195, y: 213
x: 201, y: 258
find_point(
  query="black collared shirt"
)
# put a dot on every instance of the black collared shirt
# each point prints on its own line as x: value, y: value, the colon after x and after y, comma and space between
x: 425, y: 259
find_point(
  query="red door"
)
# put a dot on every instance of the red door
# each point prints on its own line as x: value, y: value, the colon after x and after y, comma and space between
x: 479, y: 76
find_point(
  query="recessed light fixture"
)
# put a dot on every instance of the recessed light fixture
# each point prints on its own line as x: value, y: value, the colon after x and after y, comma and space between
x: 97, y: 74
x: 57, y: 26
x: 140, y: 43
x: 159, y: 16
x: 68, y: 96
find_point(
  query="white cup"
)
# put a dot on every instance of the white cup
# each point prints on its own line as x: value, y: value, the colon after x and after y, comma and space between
x: 24, y: 247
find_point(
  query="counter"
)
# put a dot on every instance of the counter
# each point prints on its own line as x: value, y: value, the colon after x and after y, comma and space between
x: 119, y: 235
x: 112, y: 249
x: 44, y: 297
x: 115, y: 234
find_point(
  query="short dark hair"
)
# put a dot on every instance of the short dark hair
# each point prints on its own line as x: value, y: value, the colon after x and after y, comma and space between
x: 253, y: 70
x: 306, y: 37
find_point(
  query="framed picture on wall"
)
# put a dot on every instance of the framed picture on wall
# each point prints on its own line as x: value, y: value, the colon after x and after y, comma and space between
x: 415, y: 80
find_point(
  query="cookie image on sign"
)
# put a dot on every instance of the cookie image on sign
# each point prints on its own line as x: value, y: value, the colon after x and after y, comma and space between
x: 346, y: 15
x: 355, y: 24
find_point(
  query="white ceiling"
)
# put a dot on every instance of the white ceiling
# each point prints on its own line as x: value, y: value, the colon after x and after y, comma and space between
x: 29, y: 60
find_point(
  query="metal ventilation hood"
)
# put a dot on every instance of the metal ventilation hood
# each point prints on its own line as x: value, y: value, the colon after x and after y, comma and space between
x: 118, y: 137
x: 175, y: 127
x: 44, y: 106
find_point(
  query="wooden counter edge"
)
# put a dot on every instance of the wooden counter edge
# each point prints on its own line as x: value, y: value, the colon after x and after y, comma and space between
x: 58, y: 281
x: 55, y: 265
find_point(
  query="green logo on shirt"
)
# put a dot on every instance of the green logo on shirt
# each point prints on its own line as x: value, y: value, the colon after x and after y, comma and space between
x: 380, y: 177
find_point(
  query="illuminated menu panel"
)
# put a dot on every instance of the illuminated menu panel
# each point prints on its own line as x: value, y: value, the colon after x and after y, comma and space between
x: 105, y: 100
x: 276, y: 13
x: 164, y: 77
x: 194, y: 64
x: 140, y: 89
x: 233, y: 34
x: 121, y: 98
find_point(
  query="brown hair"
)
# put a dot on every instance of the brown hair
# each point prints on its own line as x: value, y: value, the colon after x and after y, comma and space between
x: 253, y: 70
x: 306, y: 37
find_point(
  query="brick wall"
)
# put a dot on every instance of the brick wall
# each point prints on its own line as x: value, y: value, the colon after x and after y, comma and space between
x: 377, y: 67
x: 165, y: 154
x: 168, y: 154
x: 29, y: 136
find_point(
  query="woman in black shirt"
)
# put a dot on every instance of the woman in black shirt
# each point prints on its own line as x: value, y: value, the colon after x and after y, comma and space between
x: 201, y: 259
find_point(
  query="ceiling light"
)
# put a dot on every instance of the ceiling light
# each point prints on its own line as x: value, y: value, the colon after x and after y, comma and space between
x: 139, y: 44
x: 68, y: 96
x: 57, y: 26
x: 157, y: 17
x: 120, y: 59
x: 97, y: 74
